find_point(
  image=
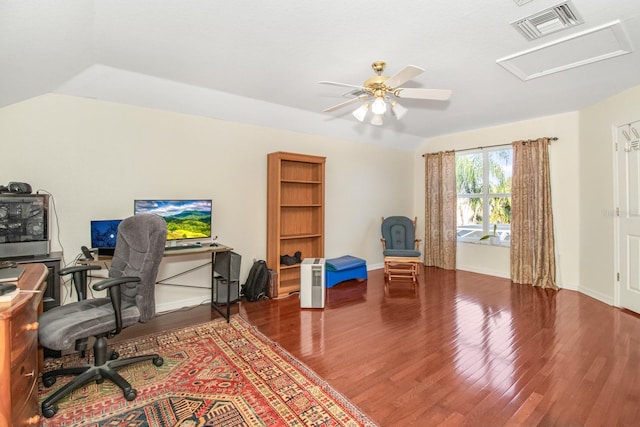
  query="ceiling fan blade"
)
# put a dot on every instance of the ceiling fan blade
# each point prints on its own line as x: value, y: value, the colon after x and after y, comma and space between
x: 324, y: 82
x: 355, y: 92
x: 344, y: 104
x: 404, y: 75
x: 417, y: 93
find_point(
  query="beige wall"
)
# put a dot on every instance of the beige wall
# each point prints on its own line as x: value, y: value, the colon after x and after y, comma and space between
x: 583, y: 191
x: 97, y: 157
x: 598, y: 264
x: 564, y: 181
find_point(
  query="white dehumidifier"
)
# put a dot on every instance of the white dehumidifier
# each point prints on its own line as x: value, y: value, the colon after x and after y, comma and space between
x: 312, y: 287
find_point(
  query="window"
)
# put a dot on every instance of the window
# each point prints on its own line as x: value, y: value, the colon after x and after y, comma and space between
x: 483, y: 184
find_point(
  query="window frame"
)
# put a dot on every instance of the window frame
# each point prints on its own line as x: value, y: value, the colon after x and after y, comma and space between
x: 485, y: 195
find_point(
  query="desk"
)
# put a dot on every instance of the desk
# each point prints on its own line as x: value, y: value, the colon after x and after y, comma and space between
x: 20, y: 358
x: 213, y: 250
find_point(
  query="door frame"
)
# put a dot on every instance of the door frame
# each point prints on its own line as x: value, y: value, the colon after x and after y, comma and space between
x: 617, y: 146
x: 616, y: 216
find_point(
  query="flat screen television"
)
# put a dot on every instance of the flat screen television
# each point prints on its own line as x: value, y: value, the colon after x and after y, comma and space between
x: 24, y: 225
x: 186, y: 219
x: 104, y: 233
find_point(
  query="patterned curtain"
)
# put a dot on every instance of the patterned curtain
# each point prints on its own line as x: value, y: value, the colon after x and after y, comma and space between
x: 533, y: 259
x: 440, y: 210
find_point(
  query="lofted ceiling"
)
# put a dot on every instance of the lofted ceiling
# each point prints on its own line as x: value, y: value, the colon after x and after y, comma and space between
x: 259, y: 62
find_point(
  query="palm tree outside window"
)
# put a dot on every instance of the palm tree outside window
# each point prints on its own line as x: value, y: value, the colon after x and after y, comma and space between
x: 483, y: 186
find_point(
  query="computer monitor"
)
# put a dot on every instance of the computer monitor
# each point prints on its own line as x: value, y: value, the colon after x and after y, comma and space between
x: 24, y: 225
x: 104, y: 233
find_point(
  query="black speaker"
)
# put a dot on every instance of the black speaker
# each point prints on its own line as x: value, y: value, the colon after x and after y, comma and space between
x: 19, y: 188
x: 223, y: 259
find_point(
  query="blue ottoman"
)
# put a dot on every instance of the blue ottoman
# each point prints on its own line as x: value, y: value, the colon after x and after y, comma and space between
x: 344, y: 268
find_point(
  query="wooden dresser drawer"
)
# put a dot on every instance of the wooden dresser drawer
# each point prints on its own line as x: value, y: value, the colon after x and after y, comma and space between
x: 29, y: 416
x: 24, y: 380
x: 24, y: 333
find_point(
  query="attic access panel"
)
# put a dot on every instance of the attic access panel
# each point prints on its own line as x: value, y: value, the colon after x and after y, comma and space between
x: 600, y: 43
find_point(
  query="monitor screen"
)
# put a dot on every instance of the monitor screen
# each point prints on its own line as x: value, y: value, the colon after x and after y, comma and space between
x: 104, y: 233
x: 23, y: 218
x: 24, y: 224
x: 186, y: 219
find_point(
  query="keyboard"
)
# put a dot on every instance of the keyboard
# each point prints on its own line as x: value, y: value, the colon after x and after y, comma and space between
x: 178, y: 247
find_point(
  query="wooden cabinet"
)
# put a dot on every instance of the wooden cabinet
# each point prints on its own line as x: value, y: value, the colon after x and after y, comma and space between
x: 19, y: 355
x: 295, y: 213
x: 52, y: 262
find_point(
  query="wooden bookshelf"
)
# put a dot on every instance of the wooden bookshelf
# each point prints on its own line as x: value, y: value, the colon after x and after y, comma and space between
x: 295, y: 213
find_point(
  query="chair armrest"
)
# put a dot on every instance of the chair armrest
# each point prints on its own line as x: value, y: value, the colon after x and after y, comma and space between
x: 77, y: 268
x: 114, y: 281
x: 384, y: 243
x: 79, y: 273
x: 417, y: 241
x: 112, y: 284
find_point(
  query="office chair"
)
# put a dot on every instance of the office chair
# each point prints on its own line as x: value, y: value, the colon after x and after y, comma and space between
x: 400, y: 247
x: 130, y: 288
x: 79, y: 278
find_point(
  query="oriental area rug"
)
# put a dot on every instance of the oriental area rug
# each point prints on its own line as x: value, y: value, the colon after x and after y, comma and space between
x: 214, y: 374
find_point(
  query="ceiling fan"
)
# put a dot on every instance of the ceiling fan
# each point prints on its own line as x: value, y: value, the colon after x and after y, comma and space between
x: 384, y: 90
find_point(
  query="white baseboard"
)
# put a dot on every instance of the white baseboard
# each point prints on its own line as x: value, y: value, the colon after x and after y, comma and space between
x: 375, y: 266
x: 481, y: 270
x: 596, y: 295
x: 175, y: 305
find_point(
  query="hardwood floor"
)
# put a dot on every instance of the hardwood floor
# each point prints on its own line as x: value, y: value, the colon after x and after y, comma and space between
x: 465, y: 349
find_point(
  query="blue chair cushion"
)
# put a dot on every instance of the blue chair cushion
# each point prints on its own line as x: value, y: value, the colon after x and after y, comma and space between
x: 401, y: 252
x: 398, y: 233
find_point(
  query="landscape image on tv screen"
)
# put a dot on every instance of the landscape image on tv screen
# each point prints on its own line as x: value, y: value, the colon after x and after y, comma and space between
x: 186, y: 219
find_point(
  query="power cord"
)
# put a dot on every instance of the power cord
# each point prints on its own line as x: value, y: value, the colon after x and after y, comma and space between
x: 55, y: 214
x: 66, y: 283
x: 187, y: 308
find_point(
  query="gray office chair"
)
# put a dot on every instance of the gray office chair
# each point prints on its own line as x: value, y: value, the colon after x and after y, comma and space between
x: 131, y: 299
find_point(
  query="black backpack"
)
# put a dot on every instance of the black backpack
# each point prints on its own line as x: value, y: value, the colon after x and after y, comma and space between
x: 257, y: 281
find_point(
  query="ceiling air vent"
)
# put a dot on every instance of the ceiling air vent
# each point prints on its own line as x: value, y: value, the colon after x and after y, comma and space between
x: 556, y: 18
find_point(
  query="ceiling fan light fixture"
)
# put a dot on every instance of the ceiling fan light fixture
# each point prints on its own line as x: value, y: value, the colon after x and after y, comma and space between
x: 360, y: 112
x: 398, y: 110
x: 376, y: 119
x: 382, y: 90
x: 379, y: 106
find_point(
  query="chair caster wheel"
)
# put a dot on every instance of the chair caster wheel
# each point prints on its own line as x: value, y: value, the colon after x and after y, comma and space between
x: 114, y: 355
x: 49, y: 411
x: 48, y: 381
x: 158, y: 361
x: 131, y: 394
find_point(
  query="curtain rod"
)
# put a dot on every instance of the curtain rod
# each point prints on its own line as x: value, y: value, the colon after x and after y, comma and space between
x: 550, y: 138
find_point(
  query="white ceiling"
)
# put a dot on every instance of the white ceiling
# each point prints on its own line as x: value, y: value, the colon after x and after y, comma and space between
x: 259, y: 62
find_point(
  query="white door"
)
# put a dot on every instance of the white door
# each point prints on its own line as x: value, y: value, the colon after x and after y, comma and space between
x: 628, y: 138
